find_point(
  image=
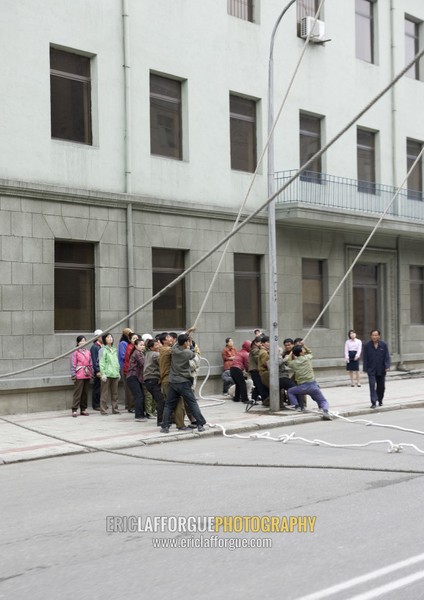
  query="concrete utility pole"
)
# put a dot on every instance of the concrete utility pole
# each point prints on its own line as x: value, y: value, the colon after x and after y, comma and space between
x: 274, y: 390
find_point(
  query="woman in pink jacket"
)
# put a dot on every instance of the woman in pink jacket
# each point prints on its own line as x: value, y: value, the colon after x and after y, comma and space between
x: 81, y: 373
x: 240, y: 366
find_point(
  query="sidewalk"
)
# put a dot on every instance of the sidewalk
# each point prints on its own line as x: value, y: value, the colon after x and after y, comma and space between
x: 42, y: 435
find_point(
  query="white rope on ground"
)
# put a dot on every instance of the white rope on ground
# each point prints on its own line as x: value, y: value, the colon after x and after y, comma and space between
x: 285, y: 438
x: 368, y: 423
x: 240, y: 226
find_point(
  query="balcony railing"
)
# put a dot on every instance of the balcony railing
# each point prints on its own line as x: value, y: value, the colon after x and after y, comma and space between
x: 327, y: 191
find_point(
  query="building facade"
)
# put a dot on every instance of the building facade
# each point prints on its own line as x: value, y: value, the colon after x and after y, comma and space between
x: 130, y: 132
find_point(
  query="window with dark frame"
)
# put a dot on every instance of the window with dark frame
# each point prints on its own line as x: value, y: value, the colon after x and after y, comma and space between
x: 242, y: 9
x: 364, y: 29
x: 412, y: 45
x: 247, y: 290
x: 169, y: 310
x: 70, y: 96
x: 416, y: 286
x: 165, y: 117
x: 243, y: 133
x: 366, y: 161
x: 310, y: 144
x: 312, y: 291
x: 415, y: 179
x: 74, y: 297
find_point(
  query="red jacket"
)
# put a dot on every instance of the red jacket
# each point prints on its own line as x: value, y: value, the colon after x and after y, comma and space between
x: 241, y: 359
x: 226, y: 354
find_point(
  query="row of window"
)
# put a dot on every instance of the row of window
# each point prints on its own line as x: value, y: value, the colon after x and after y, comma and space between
x: 75, y: 289
x: 310, y: 143
x: 71, y: 120
x: 365, y: 27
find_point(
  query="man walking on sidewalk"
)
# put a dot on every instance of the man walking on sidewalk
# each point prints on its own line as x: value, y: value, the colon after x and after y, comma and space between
x: 376, y: 359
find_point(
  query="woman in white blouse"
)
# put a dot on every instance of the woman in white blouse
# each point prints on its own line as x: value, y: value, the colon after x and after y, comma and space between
x: 353, y: 349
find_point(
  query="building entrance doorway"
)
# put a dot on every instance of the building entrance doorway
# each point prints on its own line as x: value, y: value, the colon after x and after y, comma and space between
x: 365, y: 300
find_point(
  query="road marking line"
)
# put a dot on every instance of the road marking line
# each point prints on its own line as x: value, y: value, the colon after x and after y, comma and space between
x: 364, y: 578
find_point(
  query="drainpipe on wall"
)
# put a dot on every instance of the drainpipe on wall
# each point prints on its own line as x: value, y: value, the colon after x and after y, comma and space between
x: 127, y: 157
x: 393, y: 105
x: 393, y: 110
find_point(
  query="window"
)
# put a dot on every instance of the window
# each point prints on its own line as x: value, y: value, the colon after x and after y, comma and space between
x: 243, y: 9
x: 313, y: 291
x: 305, y: 8
x: 165, y: 117
x: 310, y: 144
x: 416, y: 282
x: 70, y: 96
x: 412, y: 47
x: 243, y: 133
x: 415, y: 180
x: 366, y: 161
x: 74, y: 286
x: 247, y: 290
x: 364, y: 13
x: 169, y: 311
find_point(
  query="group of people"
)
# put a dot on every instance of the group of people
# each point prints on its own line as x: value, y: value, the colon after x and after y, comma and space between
x: 158, y: 373
x: 376, y: 363
x: 251, y: 364
x: 246, y: 371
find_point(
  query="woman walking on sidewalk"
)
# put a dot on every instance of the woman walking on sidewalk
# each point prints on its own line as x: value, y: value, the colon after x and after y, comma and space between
x: 109, y: 370
x: 81, y: 374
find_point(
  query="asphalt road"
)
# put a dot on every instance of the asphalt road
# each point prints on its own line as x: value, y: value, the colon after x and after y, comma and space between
x: 74, y: 527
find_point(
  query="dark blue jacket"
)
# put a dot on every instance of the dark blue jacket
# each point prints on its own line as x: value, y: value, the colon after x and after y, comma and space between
x: 376, y: 360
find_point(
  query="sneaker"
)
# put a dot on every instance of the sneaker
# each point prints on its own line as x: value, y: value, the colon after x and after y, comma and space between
x: 326, y: 416
x: 184, y: 428
x: 141, y: 420
x: 74, y: 414
x: 200, y: 428
x: 116, y: 412
x: 104, y: 414
x: 192, y: 426
x: 164, y: 429
x: 372, y: 406
x: 84, y: 413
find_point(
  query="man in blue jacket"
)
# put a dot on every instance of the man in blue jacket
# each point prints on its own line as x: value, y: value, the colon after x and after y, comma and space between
x: 376, y: 364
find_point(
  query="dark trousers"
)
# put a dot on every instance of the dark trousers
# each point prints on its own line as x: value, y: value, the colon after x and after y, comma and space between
x: 81, y: 387
x: 95, y: 395
x: 138, y: 395
x: 377, y: 385
x: 261, y: 390
x: 241, y: 389
x: 153, y: 386
x: 176, y: 390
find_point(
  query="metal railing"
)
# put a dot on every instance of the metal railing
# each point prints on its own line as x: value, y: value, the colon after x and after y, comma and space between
x: 328, y: 191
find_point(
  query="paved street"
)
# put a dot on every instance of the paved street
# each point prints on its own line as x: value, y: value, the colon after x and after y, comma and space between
x: 68, y: 533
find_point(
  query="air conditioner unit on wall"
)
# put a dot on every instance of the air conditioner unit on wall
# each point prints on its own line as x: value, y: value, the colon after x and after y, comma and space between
x: 316, y: 30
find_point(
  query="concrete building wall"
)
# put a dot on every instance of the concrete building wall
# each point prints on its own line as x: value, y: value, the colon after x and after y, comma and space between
x: 52, y: 189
